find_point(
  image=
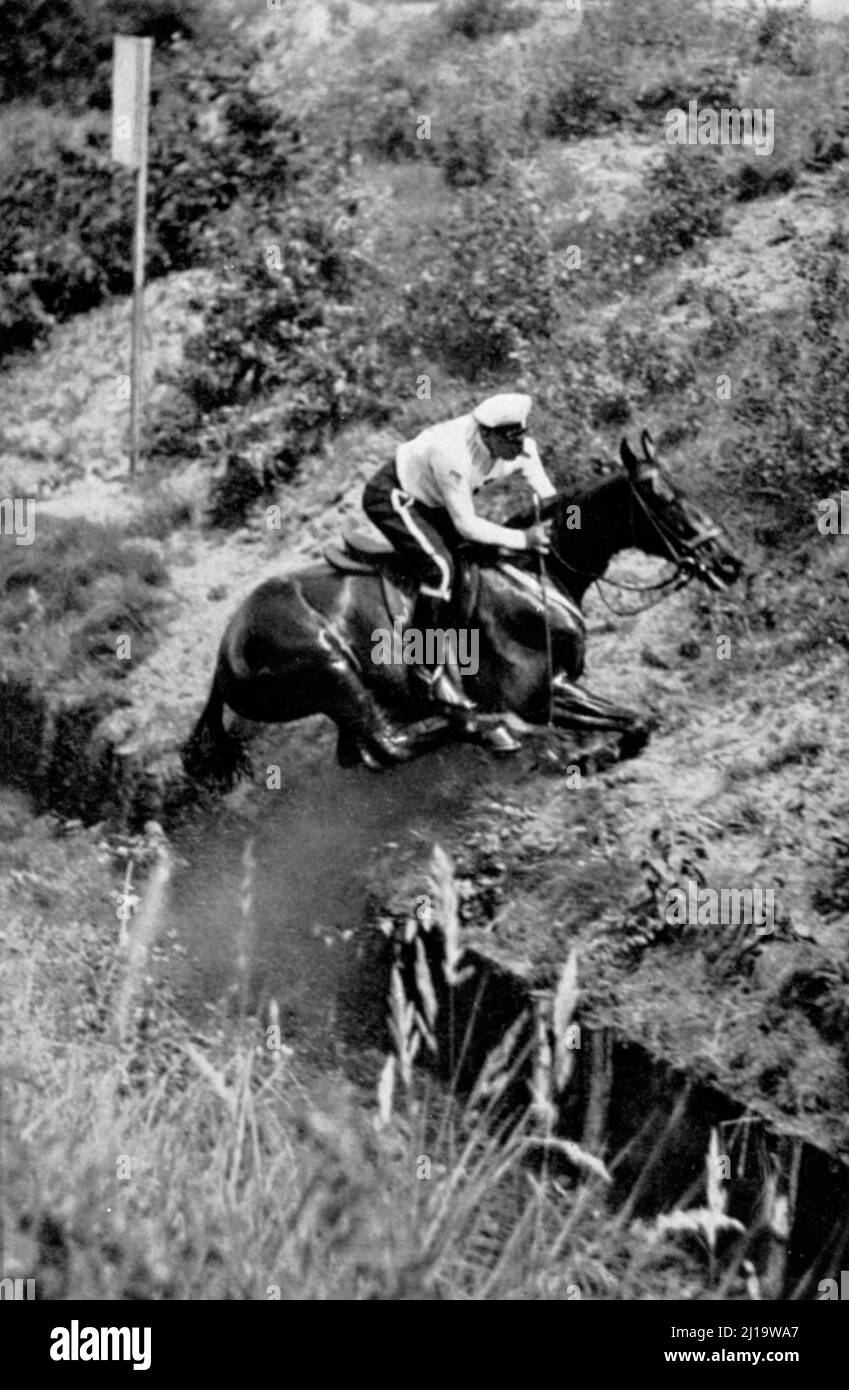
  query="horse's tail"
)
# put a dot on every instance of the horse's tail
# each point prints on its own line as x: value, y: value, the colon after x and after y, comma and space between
x: 212, y: 755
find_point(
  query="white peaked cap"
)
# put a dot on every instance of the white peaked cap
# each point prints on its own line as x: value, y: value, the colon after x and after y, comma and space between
x: 511, y: 408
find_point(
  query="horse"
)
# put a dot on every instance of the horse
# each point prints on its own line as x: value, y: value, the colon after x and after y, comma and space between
x: 304, y: 643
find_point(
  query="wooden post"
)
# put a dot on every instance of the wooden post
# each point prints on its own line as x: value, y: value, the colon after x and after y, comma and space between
x: 142, y: 92
x: 130, y: 96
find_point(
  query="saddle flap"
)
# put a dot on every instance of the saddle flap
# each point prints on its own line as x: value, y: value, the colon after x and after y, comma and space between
x: 397, y: 586
x: 361, y: 553
x: 341, y: 560
x: 366, y: 547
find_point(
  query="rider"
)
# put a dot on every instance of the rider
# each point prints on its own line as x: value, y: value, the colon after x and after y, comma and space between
x: 423, y: 502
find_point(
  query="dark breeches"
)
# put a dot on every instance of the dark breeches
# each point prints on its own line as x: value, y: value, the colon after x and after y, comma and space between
x: 424, y: 536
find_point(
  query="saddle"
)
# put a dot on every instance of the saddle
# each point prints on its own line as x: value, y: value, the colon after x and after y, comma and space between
x: 358, y: 553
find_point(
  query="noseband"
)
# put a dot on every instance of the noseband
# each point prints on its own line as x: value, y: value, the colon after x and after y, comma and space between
x: 684, y: 554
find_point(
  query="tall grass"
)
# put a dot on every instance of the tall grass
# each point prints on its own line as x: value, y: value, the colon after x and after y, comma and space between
x: 145, y: 1158
x: 68, y: 597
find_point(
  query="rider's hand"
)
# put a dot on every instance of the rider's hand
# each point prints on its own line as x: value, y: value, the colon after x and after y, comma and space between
x: 539, y: 537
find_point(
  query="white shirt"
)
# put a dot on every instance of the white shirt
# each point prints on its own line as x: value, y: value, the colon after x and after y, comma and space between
x: 448, y: 463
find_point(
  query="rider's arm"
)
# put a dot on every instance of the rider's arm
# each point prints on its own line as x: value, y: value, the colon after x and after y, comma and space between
x: 534, y: 474
x: 460, y: 505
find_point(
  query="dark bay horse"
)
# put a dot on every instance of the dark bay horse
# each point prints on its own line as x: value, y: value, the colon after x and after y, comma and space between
x: 303, y: 644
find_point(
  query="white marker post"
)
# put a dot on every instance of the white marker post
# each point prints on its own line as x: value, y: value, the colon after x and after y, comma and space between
x: 130, y: 102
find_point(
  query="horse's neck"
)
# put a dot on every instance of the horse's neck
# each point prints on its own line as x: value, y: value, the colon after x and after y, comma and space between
x: 509, y: 607
x: 604, y: 529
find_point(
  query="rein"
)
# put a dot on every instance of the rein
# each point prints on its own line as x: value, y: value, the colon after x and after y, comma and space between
x: 687, y: 566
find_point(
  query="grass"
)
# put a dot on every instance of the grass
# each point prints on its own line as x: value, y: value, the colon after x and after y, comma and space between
x: 145, y: 1159
x: 68, y: 598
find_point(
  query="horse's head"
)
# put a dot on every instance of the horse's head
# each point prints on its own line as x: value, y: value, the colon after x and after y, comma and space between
x: 665, y: 523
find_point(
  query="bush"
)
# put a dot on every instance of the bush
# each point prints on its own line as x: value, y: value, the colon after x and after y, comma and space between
x: 829, y: 141
x: 682, y: 203
x: 287, y: 355
x: 71, y: 557
x: 591, y: 99
x: 65, y: 236
x: 65, y: 600
x: 477, y: 19
x: 49, y: 47
x: 631, y: 60
x: 753, y: 181
x: 470, y: 153
x: 786, y: 36
x: 687, y: 195
x: 489, y: 289
x: 66, y: 211
x: 373, y: 108
x: 63, y: 48
x: 285, y: 308
x: 650, y: 362
x: 793, y: 403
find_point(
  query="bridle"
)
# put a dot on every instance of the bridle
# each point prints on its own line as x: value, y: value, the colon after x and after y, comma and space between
x: 684, y: 554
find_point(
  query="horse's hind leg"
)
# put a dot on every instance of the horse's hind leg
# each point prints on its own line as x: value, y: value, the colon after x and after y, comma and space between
x: 348, y: 748
x: 212, y: 754
x: 364, y: 731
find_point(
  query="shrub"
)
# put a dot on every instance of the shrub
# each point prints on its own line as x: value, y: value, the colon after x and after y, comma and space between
x: 287, y: 355
x: 48, y: 46
x: 24, y: 321
x: 590, y: 99
x: 682, y: 204
x: 477, y: 19
x: 631, y: 60
x: 829, y: 141
x: 373, y: 108
x: 752, y: 180
x: 65, y: 238
x: 71, y: 557
x: 284, y: 307
x: 470, y: 153
x: 687, y: 195
x: 650, y: 362
x: 66, y: 212
x: 490, y: 286
x: 793, y: 403
x: 619, y: 26
x: 64, y: 600
x: 63, y: 48
x: 786, y: 36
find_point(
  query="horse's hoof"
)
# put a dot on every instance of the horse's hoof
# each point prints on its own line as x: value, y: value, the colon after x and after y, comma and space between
x: 348, y: 753
x: 634, y: 740
x: 597, y: 759
x: 499, y: 740
x: 369, y: 760
x: 396, y: 748
x: 384, y: 751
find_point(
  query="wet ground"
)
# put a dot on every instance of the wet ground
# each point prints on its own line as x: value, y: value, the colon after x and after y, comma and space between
x: 271, y: 891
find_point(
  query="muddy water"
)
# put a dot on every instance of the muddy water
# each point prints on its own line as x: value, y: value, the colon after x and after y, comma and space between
x: 270, y: 894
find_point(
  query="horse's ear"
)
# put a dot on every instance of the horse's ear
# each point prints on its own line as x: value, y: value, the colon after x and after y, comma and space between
x: 648, y: 447
x: 629, y: 458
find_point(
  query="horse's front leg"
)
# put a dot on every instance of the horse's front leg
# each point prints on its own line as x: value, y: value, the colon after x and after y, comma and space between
x: 574, y: 707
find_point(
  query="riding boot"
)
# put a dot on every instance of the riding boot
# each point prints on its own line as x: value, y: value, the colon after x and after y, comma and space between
x: 443, y: 685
